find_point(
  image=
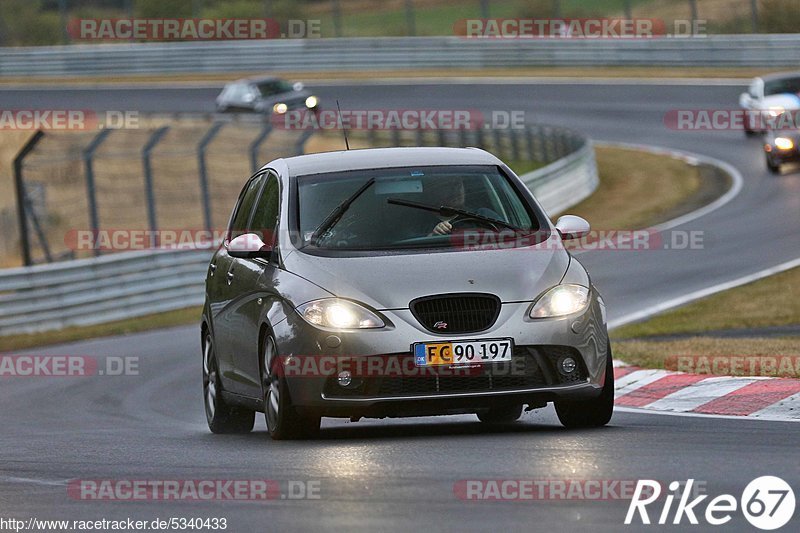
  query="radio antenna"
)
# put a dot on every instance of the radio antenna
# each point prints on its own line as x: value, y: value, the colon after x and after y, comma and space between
x: 344, y: 128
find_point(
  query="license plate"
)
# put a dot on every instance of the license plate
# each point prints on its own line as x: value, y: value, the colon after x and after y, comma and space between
x: 463, y: 352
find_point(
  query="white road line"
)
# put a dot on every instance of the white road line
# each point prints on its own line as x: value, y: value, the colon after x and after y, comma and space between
x: 31, y: 481
x: 702, y: 293
x: 700, y: 393
x: 639, y: 411
x: 788, y: 408
x: 637, y: 380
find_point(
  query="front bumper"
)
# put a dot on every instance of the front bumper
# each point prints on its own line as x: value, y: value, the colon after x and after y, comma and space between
x: 386, y: 382
x: 784, y: 156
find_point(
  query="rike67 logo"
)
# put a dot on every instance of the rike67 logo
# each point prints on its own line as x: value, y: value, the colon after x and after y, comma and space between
x: 767, y: 502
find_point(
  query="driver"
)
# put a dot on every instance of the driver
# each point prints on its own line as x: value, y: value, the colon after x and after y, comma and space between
x: 451, y: 192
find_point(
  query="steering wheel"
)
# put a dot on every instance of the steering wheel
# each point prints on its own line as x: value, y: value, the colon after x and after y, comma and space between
x: 462, y: 222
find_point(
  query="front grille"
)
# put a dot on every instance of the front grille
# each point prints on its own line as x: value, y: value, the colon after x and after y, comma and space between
x: 456, y: 313
x: 523, y: 373
x: 532, y: 367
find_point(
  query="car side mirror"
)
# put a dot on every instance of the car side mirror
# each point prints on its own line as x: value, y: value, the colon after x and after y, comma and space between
x: 745, y: 99
x: 572, y: 227
x: 248, y: 246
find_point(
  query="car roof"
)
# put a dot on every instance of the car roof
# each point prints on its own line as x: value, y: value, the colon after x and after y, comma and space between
x: 259, y: 79
x: 780, y: 75
x: 385, y: 158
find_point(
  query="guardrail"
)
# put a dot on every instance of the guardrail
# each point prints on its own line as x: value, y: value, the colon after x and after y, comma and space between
x: 130, y: 284
x: 385, y: 53
x: 103, y: 289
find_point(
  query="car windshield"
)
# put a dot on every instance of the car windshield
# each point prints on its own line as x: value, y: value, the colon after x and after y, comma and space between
x: 786, y: 85
x: 271, y: 88
x: 401, y: 208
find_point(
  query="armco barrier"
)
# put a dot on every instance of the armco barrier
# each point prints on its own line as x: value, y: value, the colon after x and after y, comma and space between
x: 386, y: 53
x: 92, y: 291
x: 126, y: 285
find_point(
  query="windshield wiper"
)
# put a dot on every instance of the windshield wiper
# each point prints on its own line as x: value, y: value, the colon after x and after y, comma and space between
x: 447, y: 211
x: 337, y: 213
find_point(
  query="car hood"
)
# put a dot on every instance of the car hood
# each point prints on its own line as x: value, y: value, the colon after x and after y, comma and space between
x: 784, y: 100
x: 292, y: 96
x: 391, y: 281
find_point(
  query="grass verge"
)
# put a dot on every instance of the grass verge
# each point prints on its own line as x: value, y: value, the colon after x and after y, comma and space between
x: 168, y: 319
x: 749, y: 356
x: 637, y: 189
x: 774, y: 301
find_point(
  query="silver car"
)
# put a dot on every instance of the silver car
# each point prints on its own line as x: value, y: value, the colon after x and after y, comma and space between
x: 399, y: 282
x: 268, y: 95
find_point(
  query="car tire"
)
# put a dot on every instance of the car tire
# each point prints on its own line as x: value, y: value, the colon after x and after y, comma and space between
x: 772, y: 166
x: 283, y: 420
x: 595, y: 412
x: 221, y: 417
x: 504, y: 414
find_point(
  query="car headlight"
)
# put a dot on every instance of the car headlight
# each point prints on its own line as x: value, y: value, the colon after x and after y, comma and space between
x: 784, y: 143
x: 561, y: 300
x: 775, y: 111
x: 311, y: 102
x: 280, y: 108
x: 339, y: 314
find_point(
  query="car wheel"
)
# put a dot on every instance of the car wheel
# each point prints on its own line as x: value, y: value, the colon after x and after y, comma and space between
x: 594, y: 412
x: 772, y: 166
x: 501, y: 414
x: 221, y: 417
x: 283, y: 421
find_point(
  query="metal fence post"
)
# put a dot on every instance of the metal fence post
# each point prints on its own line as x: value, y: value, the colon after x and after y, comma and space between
x: 300, y: 145
x: 410, y: 22
x: 396, y: 137
x: 515, y: 153
x: 754, y: 15
x: 498, y: 144
x: 91, y: 193
x: 203, y: 170
x: 22, y: 203
x: 337, y: 18
x: 484, y: 9
x: 529, y: 143
x: 693, y: 10
x: 628, y: 10
x: 256, y: 145
x: 419, y: 137
x: 63, y: 15
x: 148, y: 179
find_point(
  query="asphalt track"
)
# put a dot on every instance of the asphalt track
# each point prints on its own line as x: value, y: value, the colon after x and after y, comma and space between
x: 400, y: 474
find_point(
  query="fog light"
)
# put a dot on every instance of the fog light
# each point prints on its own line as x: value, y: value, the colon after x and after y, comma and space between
x: 345, y: 378
x: 568, y: 365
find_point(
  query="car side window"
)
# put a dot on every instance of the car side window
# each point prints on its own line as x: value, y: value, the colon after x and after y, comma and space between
x: 265, y: 219
x: 244, y: 207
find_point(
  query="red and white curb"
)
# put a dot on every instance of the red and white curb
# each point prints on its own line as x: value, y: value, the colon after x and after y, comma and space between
x: 669, y: 392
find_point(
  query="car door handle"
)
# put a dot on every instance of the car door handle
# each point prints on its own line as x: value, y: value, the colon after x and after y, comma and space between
x: 213, y: 268
x: 230, y: 276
